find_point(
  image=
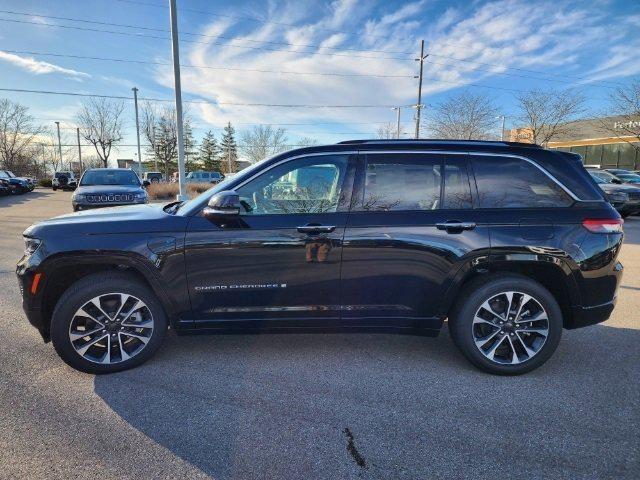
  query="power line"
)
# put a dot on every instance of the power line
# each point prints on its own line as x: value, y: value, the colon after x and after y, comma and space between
x: 204, y: 35
x: 121, y: 97
x: 125, y: 60
x: 142, y: 35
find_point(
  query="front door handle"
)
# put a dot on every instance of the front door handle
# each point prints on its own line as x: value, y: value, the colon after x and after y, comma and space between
x: 453, y: 226
x: 316, y: 229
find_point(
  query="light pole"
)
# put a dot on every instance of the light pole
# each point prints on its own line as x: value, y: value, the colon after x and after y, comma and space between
x: 59, y: 144
x: 397, y: 121
x: 173, y: 13
x: 502, y: 129
x: 135, y: 102
x: 79, y: 149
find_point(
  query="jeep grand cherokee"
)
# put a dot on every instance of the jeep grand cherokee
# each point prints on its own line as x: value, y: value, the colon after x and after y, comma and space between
x: 509, y: 242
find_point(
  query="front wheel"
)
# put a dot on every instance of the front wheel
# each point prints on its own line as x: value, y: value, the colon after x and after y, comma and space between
x: 107, y: 322
x: 507, y: 324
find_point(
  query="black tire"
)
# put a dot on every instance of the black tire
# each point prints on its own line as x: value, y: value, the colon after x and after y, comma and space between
x: 625, y: 215
x: 84, y: 290
x: 54, y: 188
x: 486, y: 287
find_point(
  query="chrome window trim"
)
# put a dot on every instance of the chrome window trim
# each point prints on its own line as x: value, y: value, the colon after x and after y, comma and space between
x: 412, y: 151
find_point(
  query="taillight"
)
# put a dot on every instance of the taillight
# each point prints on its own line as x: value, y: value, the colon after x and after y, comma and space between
x: 603, y: 225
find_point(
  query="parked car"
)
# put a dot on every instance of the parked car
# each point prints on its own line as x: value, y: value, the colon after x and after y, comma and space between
x: 152, y: 177
x: 109, y: 187
x: 5, y: 189
x: 17, y: 184
x: 617, y: 171
x: 624, y: 198
x: 64, y: 181
x: 203, y: 177
x: 509, y: 242
x: 607, y: 177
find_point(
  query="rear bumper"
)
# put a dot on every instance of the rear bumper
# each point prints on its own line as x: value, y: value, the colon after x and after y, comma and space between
x: 585, y: 316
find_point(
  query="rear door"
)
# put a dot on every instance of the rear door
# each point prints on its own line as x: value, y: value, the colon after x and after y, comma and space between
x: 411, y: 227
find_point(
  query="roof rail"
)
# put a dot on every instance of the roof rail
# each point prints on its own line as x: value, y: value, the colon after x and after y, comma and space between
x: 437, y: 141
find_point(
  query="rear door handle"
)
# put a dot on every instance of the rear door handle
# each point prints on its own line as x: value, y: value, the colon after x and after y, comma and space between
x: 316, y: 229
x: 455, y: 226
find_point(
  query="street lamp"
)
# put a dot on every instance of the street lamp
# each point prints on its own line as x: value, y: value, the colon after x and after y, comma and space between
x: 502, y: 129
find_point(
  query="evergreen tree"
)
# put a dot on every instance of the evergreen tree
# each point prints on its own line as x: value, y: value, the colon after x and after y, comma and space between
x: 229, y: 150
x: 190, y: 152
x: 209, y: 153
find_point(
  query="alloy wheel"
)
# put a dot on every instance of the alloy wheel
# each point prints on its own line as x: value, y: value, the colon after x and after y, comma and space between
x: 111, y: 328
x: 510, y: 327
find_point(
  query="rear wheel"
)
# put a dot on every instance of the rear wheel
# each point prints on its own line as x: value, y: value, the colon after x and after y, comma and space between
x: 107, y: 322
x: 506, y: 325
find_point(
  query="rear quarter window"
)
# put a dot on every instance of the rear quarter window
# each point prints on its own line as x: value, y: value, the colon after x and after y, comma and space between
x: 507, y: 182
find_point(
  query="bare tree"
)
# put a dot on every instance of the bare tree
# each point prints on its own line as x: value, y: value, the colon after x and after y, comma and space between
x: 262, y: 141
x: 159, y: 128
x: 389, y: 130
x: 625, y: 103
x: 467, y: 116
x: 549, y: 113
x: 306, y: 142
x: 100, y: 121
x: 17, y: 133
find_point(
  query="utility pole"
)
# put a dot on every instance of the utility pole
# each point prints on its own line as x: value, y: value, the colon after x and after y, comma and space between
x: 397, y: 121
x: 59, y: 144
x: 79, y: 150
x: 153, y: 146
x: 419, y: 104
x: 502, y: 129
x: 135, y: 102
x: 173, y: 13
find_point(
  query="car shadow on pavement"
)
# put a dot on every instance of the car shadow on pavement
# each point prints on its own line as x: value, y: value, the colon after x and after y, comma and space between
x: 383, y: 406
x: 9, y: 200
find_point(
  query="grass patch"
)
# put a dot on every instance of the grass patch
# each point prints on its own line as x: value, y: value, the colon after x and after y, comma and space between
x: 168, y: 191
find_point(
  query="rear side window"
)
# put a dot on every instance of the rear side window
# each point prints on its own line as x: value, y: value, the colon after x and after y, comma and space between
x: 401, y: 182
x: 506, y: 182
x: 456, y: 193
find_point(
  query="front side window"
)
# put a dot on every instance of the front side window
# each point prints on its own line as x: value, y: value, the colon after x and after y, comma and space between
x: 506, y: 182
x: 401, y: 182
x: 306, y: 185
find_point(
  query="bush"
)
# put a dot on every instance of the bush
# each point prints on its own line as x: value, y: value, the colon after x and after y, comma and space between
x: 168, y: 191
x: 45, y: 182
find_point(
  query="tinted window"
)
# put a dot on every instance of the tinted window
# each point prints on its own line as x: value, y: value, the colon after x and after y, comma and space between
x: 401, y: 182
x: 109, y: 177
x: 505, y: 182
x: 457, y: 193
x: 306, y: 185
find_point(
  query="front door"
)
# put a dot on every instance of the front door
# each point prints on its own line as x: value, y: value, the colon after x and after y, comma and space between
x: 281, y: 259
x: 411, y: 228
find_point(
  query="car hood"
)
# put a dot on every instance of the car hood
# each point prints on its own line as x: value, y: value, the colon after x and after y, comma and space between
x: 101, y: 189
x: 147, y: 218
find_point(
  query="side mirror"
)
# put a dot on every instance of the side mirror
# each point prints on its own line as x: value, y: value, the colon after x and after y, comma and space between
x: 616, y: 181
x: 146, y: 183
x: 223, y: 206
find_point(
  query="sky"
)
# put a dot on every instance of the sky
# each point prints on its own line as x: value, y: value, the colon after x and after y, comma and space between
x: 327, y: 70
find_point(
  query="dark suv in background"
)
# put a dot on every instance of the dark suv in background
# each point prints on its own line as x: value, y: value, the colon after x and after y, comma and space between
x: 109, y: 187
x: 509, y: 242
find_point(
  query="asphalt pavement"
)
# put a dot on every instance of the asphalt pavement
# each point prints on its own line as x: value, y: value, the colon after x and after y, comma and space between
x: 316, y: 406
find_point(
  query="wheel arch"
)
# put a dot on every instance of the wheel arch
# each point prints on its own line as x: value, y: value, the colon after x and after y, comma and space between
x: 67, y: 269
x: 551, y: 272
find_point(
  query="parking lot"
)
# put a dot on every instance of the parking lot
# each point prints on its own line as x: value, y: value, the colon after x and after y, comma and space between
x: 316, y: 406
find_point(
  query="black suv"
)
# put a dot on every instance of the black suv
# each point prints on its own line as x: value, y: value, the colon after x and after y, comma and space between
x: 108, y: 187
x: 509, y: 242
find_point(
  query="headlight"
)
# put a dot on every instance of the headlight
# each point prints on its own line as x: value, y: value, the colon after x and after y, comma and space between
x: 31, y: 245
x: 140, y: 196
x: 77, y: 197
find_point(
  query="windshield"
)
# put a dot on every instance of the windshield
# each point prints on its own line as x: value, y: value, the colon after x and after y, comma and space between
x: 606, y: 176
x: 10, y: 173
x: 109, y: 177
x: 3, y: 174
x: 219, y: 187
x: 598, y: 180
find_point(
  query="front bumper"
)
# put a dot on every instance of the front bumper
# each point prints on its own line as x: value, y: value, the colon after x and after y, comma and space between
x: 77, y: 206
x: 31, y: 303
x: 585, y: 316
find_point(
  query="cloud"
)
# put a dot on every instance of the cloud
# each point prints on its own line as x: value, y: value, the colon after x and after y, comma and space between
x: 39, y: 67
x: 547, y: 35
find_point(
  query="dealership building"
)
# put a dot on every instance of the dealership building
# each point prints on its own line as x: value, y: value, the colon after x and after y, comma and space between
x: 601, y: 141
